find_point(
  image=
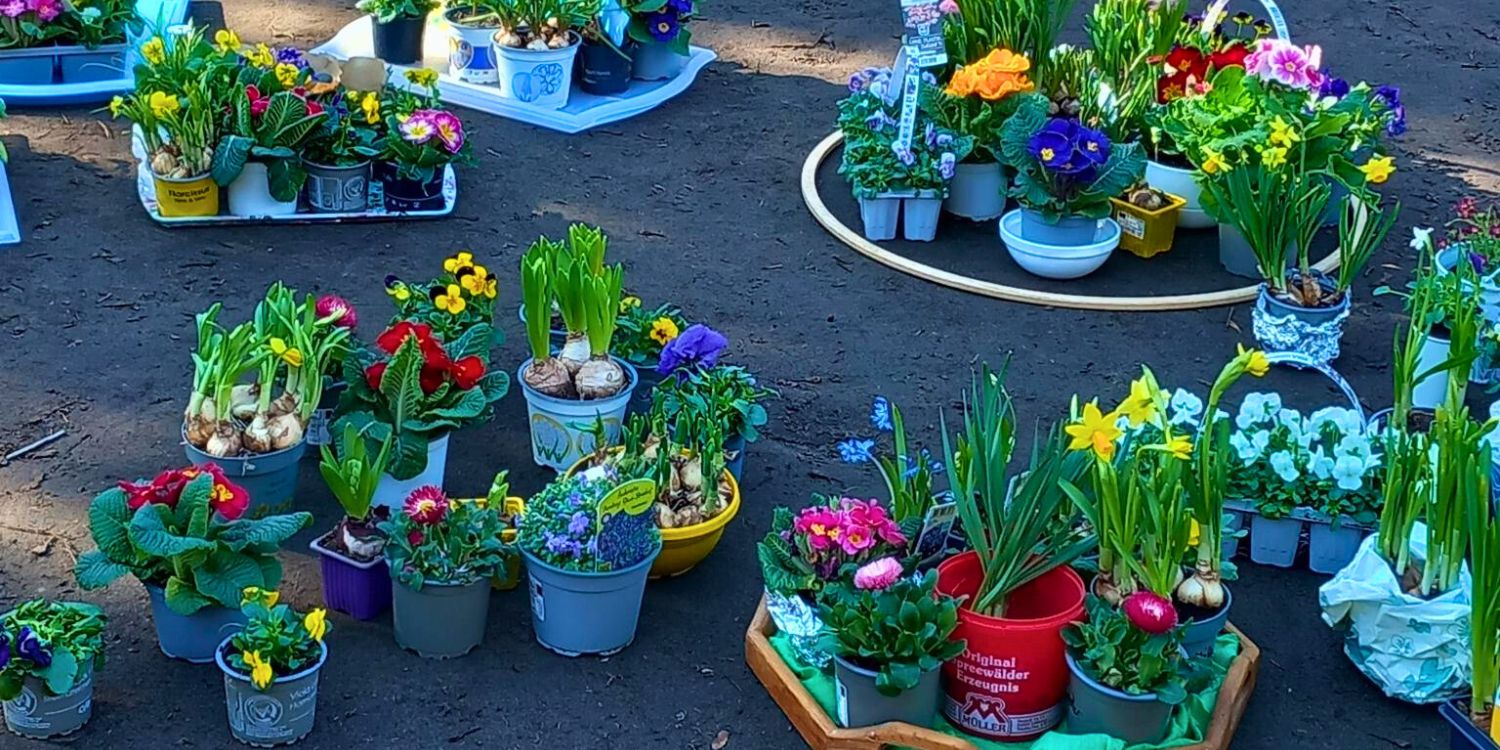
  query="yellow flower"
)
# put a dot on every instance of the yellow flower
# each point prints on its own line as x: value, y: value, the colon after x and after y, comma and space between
x: 422, y: 76
x: 1255, y: 361
x: 628, y: 302
x: 1094, y: 431
x: 1193, y: 532
x: 1282, y: 133
x: 474, y: 279
x: 491, y: 288
x: 261, y: 56
x: 226, y: 40
x: 154, y: 50
x: 115, y: 105
x: 1047, y: 154
x: 1214, y: 162
x: 458, y: 262
x: 258, y: 594
x: 286, y: 74
x: 398, y: 290
x: 1379, y: 169
x: 1180, y: 447
x: 260, y: 669
x: 663, y: 330
x: 1274, y: 156
x: 316, y: 623
x: 163, y: 105
x: 1141, y: 405
x: 288, y: 354
x: 450, y: 299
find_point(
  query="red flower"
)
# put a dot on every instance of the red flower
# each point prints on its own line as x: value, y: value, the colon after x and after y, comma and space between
x: 1149, y: 612
x: 432, y: 377
x: 391, y: 338
x: 1187, y: 60
x: 258, y: 103
x: 313, y: 108
x: 374, y: 373
x: 164, y: 489
x: 1232, y: 56
x: 332, y: 304
x: 427, y: 505
x: 467, y: 372
x: 226, y: 498
x: 414, y: 537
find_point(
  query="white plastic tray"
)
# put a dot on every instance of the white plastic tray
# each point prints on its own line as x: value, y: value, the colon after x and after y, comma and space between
x: 10, y: 231
x: 157, y: 14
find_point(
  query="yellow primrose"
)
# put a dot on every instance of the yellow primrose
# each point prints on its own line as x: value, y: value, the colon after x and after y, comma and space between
x: 226, y: 40
x: 422, y: 76
x: 663, y: 330
x: 261, y: 56
x: 258, y: 594
x: 260, y: 669
x: 450, y: 299
x: 1379, y: 169
x: 1255, y: 361
x: 154, y: 50
x: 1094, y: 431
x: 1274, y: 156
x: 370, y: 105
x: 1282, y: 133
x: 163, y: 105
x: 316, y: 623
x: 287, y: 74
x: 1214, y: 162
x: 458, y: 262
x: 475, y: 279
x: 288, y: 354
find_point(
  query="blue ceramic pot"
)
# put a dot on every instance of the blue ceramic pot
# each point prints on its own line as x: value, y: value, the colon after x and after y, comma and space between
x: 1069, y: 231
x: 735, y: 446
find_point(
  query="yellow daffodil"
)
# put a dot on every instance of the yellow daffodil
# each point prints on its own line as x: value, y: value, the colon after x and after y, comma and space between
x: 1180, y: 447
x: 227, y: 41
x: 458, y: 262
x: 663, y: 330
x: 1214, y: 162
x: 1274, y: 156
x: 1094, y: 431
x: 1141, y: 405
x: 450, y: 299
x: 288, y: 354
x: 422, y: 76
x: 163, y: 105
x: 258, y: 594
x: 286, y: 74
x: 1282, y: 133
x: 370, y: 105
x: 260, y: 669
x: 1378, y: 169
x: 261, y: 56
x: 1255, y: 361
x: 154, y: 50
x: 1193, y: 532
x: 316, y: 623
x: 475, y: 279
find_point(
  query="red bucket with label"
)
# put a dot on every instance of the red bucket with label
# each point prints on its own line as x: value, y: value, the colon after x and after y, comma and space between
x: 1009, y: 684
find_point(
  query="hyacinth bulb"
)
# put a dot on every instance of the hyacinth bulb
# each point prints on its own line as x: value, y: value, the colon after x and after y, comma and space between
x: 1150, y: 612
x: 550, y: 377
x: 575, y: 352
x: 225, y: 442
x: 1201, y: 591
x: 600, y: 377
x: 200, y: 426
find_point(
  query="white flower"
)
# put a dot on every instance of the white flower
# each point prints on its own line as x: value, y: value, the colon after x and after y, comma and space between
x: 1353, y: 445
x: 1249, y: 448
x: 1320, y: 464
x: 1421, y: 238
x: 1257, y: 408
x: 1349, y: 471
x: 1186, y: 407
x: 1285, y: 467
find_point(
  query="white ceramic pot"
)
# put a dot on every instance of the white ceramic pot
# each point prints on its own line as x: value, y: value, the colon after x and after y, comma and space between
x: 880, y: 215
x: 471, y: 54
x: 919, y: 217
x: 1058, y: 261
x: 977, y: 191
x: 250, y: 194
x: 562, y: 430
x: 1430, y: 392
x: 537, y: 77
x: 1180, y: 182
x: 392, y: 492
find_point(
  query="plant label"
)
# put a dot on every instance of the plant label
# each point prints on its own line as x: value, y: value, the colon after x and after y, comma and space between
x: 898, y: 74
x: 910, y: 86
x: 538, y: 604
x: 634, y: 497
x: 843, y: 702
x: 923, y: 23
x: 932, y: 541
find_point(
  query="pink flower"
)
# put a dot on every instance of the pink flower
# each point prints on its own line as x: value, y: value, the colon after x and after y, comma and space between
x: 1285, y: 63
x: 414, y: 537
x: 418, y: 128
x: 878, y: 575
x: 1150, y: 612
x: 46, y: 9
x: 12, y: 8
x: 855, y: 539
x: 449, y: 131
x: 1467, y: 205
x: 332, y: 304
x: 948, y: 7
x: 427, y: 505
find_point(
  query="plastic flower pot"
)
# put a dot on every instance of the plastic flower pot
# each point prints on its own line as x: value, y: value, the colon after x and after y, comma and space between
x: 556, y: 336
x: 576, y: 612
x: 1274, y: 541
x: 322, y: 417
x: 977, y: 191
x: 392, y: 492
x: 1200, y: 628
x: 186, y: 196
x: 104, y: 63
x: 443, y: 620
x: 538, y: 77
x: 603, y: 69
x: 1095, y: 708
x: 1067, y: 231
x: 279, y: 715
x: 399, y: 42
x: 337, y: 189
x: 1463, y: 735
x: 640, y: 399
x: 35, y: 713
x: 860, y: 704
x: 27, y: 67
x: 1489, y: 285
x: 734, y: 455
x: 269, y: 478
x: 361, y: 590
x: 1180, y: 182
x: 1330, y: 549
x: 1058, y: 261
x: 192, y: 638
x: 919, y: 216
x: 1144, y: 232
x: 561, y: 428
x: 654, y: 61
x: 1431, y: 391
x: 471, y: 55
x: 880, y: 216
x: 1010, y: 682
x: 1229, y: 544
x: 403, y: 195
x: 1235, y: 254
x: 250, y: 194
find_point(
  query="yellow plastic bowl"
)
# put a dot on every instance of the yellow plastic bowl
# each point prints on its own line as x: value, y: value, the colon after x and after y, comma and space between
x: 682, y: 548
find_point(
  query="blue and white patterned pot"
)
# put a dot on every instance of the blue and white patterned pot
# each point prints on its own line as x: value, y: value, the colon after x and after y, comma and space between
x: 470, y: 54
x: 537, y: 77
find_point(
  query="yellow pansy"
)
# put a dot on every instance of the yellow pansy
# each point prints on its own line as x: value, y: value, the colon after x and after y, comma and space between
x: 163, y: 105
x: 154, y: 50
x: 316, y: 623
x: 260, y: 669
x: 1094, y: 431
x: 422, y: 76
x: 491, y: 287
x: 450, y: 299
x: 1274, y: 156
x: 398, y: 290
x: 288, y: 354
x: 226, y: 40
x: 663, y: 330
x: 370, y: 105
x: 1214, y: 162
x: 628, y: 302
x: 458, y: 261
x: 1379, y: 169
x: 1282, y: 133
x: 286, y: 74
x: 475, y: 279
x: 1256, y: 362
x: 258, y: 594
x: 261, y: 56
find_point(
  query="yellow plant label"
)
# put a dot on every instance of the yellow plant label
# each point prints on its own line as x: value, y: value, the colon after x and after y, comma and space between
x: 634, y: 497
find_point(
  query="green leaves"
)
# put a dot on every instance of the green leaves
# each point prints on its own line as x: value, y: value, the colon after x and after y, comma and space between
x: 230, y: 157
x: 270, y: 531
x: 59, y: 675
x: 109, y: 516
x: 225, y: 575
x: 94, y: 570
x: 401, y: 385
x: 905, y: 629
x: 183, y: 598
x: 149, y: 532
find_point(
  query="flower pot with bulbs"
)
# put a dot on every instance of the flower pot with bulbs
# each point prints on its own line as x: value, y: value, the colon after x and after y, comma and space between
x: 355, y: 579
x: 535, y: 48
x: 258, y: 157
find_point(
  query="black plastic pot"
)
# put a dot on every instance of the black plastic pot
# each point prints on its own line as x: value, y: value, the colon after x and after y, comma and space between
x: 1464, y: 736
x: 399, y: 42
x: 402, y: 195
x: 602, y: 68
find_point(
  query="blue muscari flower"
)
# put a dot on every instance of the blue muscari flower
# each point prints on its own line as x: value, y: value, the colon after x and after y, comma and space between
x: 880, y: 414
x: 857, y: 451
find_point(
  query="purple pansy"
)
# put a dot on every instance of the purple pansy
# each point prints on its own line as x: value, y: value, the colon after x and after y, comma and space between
x: 4, y: 649
x: 1335, y: 88
x: 903, y: 154
x: 946, y: 164
x: 579, y: 523
x: 12, y: 8
x: 683, y: 7
x: 697, y: 347
x: 29, y: 646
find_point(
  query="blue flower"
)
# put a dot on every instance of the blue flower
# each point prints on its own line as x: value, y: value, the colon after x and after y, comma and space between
x: 579, y: 523
x: 857, y: 451
x: 4, y: 648
x: 880, y: 414
x: 1284, y: 466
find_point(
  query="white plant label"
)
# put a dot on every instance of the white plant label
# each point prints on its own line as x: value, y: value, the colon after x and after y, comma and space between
x: 538, y: 604
x: 911, y: 85
x: 843, y: 702
x: 923, y: 22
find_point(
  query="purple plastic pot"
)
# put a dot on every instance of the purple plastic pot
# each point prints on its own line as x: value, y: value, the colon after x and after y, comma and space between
x: 361, y: 590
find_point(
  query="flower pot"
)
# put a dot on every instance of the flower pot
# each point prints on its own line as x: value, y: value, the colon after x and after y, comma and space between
x: 399, y: 42
x: 392, y: 492
x: 192, y: 638
x: 269, y: 478
x: 1274, y: 541
x: 1230, y: 544
x: 880, y: 216
x: 1011, y: 679
x: 640, y: 399
x: 1058, y: 261
x: 322, y: 417
x: 1200, y: 629
x: 603, y: 69
x: 977, y: 191
x: 361, y: 590
x: 538, y: 77
x: 1144, y: 232
x: 919, y: 217
x: 443, y: 620
x: 861, y: 705
x: 1067, y: 231
x: 27, y: 67
x: 1489, y: 285
x: 1180, y: 182
x: 403, y: 195
x: 105, y: 63
x: 250, y: 194
x: 1330, y: 549
x: 178, y: 198
x: 337, y: 189
x: 279, y: 715
x: 654, y: 61
x: 575, y: 613
x: 1314, y: 332
x: 556, y: 336
x: 471, y: 56
x: 1431, y: 391
x: 734, y: 456
x: 1094, y: 708
x: 37, y: 714
x: 1463, y: 735
x: 1235, y: 254
x: 561, y: 429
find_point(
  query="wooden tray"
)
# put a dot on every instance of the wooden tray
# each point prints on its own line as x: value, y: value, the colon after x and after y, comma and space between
x: 821, y: 733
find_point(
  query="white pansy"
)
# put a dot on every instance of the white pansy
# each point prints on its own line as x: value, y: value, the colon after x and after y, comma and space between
x: 1186, y: 407
x: 1349, y: 472
x: 1285, y: 467
x: 1421, y: 238
x: 1320, y: 464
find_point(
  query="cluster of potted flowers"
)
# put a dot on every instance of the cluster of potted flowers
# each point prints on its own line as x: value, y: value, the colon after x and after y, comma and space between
x: 285, y: 132
x: 50, y: 41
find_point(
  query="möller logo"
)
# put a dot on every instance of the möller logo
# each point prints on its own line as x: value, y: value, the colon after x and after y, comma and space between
x: 985, y: 713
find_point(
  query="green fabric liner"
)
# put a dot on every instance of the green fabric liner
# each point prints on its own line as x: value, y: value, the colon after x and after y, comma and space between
x: 1188, y: 722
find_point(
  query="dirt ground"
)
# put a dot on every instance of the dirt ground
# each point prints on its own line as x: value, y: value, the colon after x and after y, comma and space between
x: 700, y: 201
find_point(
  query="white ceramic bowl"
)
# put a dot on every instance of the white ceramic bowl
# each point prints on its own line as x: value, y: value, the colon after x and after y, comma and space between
x: 1057, y: 261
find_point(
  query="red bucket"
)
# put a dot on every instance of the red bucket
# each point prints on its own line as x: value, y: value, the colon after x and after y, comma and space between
x: 1010, y: 682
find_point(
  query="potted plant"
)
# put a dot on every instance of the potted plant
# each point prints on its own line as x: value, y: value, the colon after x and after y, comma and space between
x: 470, y: 306
x: 660, y: 34
x: 184, y: 537
x: 1473, y: 235
x: 1066, y: 173
x: 356, y: 580
x: 641, y: 334
x: 908, y: 475
x: 271, y: 669
x: 695, y: 379
x: 257, y: 157
x: 420, y: 142
x: 535, y: 47
x: 588, y: 544
x: 976, y: 102
x: 1147, y: 219
x: 1473, y: 724
x: 442, y: 555
x: 338, y: 156
x: 49, y: 652
x: 43, y: 43
x: 471, y: 30
x: 1127, y: 669
x: 1443, y: 336
x: 568, y: 393
x: 889, y: 635
x: 398, y: 28
x: 604, y: 65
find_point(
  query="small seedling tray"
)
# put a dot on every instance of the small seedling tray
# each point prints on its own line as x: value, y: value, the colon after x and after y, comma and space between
x: 375, y: 212
x: 821, y: 733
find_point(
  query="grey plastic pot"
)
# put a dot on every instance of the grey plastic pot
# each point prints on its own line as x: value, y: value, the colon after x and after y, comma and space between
x: 880, y: 216
x: 1230, y: 544
x: 576, y: 613
x: 1199, y: 635
x: 919, y: 216
x: 1094, y: 708
x: 1274, y: 541
x: 443, y: 620
x: 860, y: 704
x: 279, y: 715
x: 1068, y: 231
x: 192, y: 638
x: 270, y: 478
x: 337, y: 189
x: 36, y: 713
x: 1330, y: 550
